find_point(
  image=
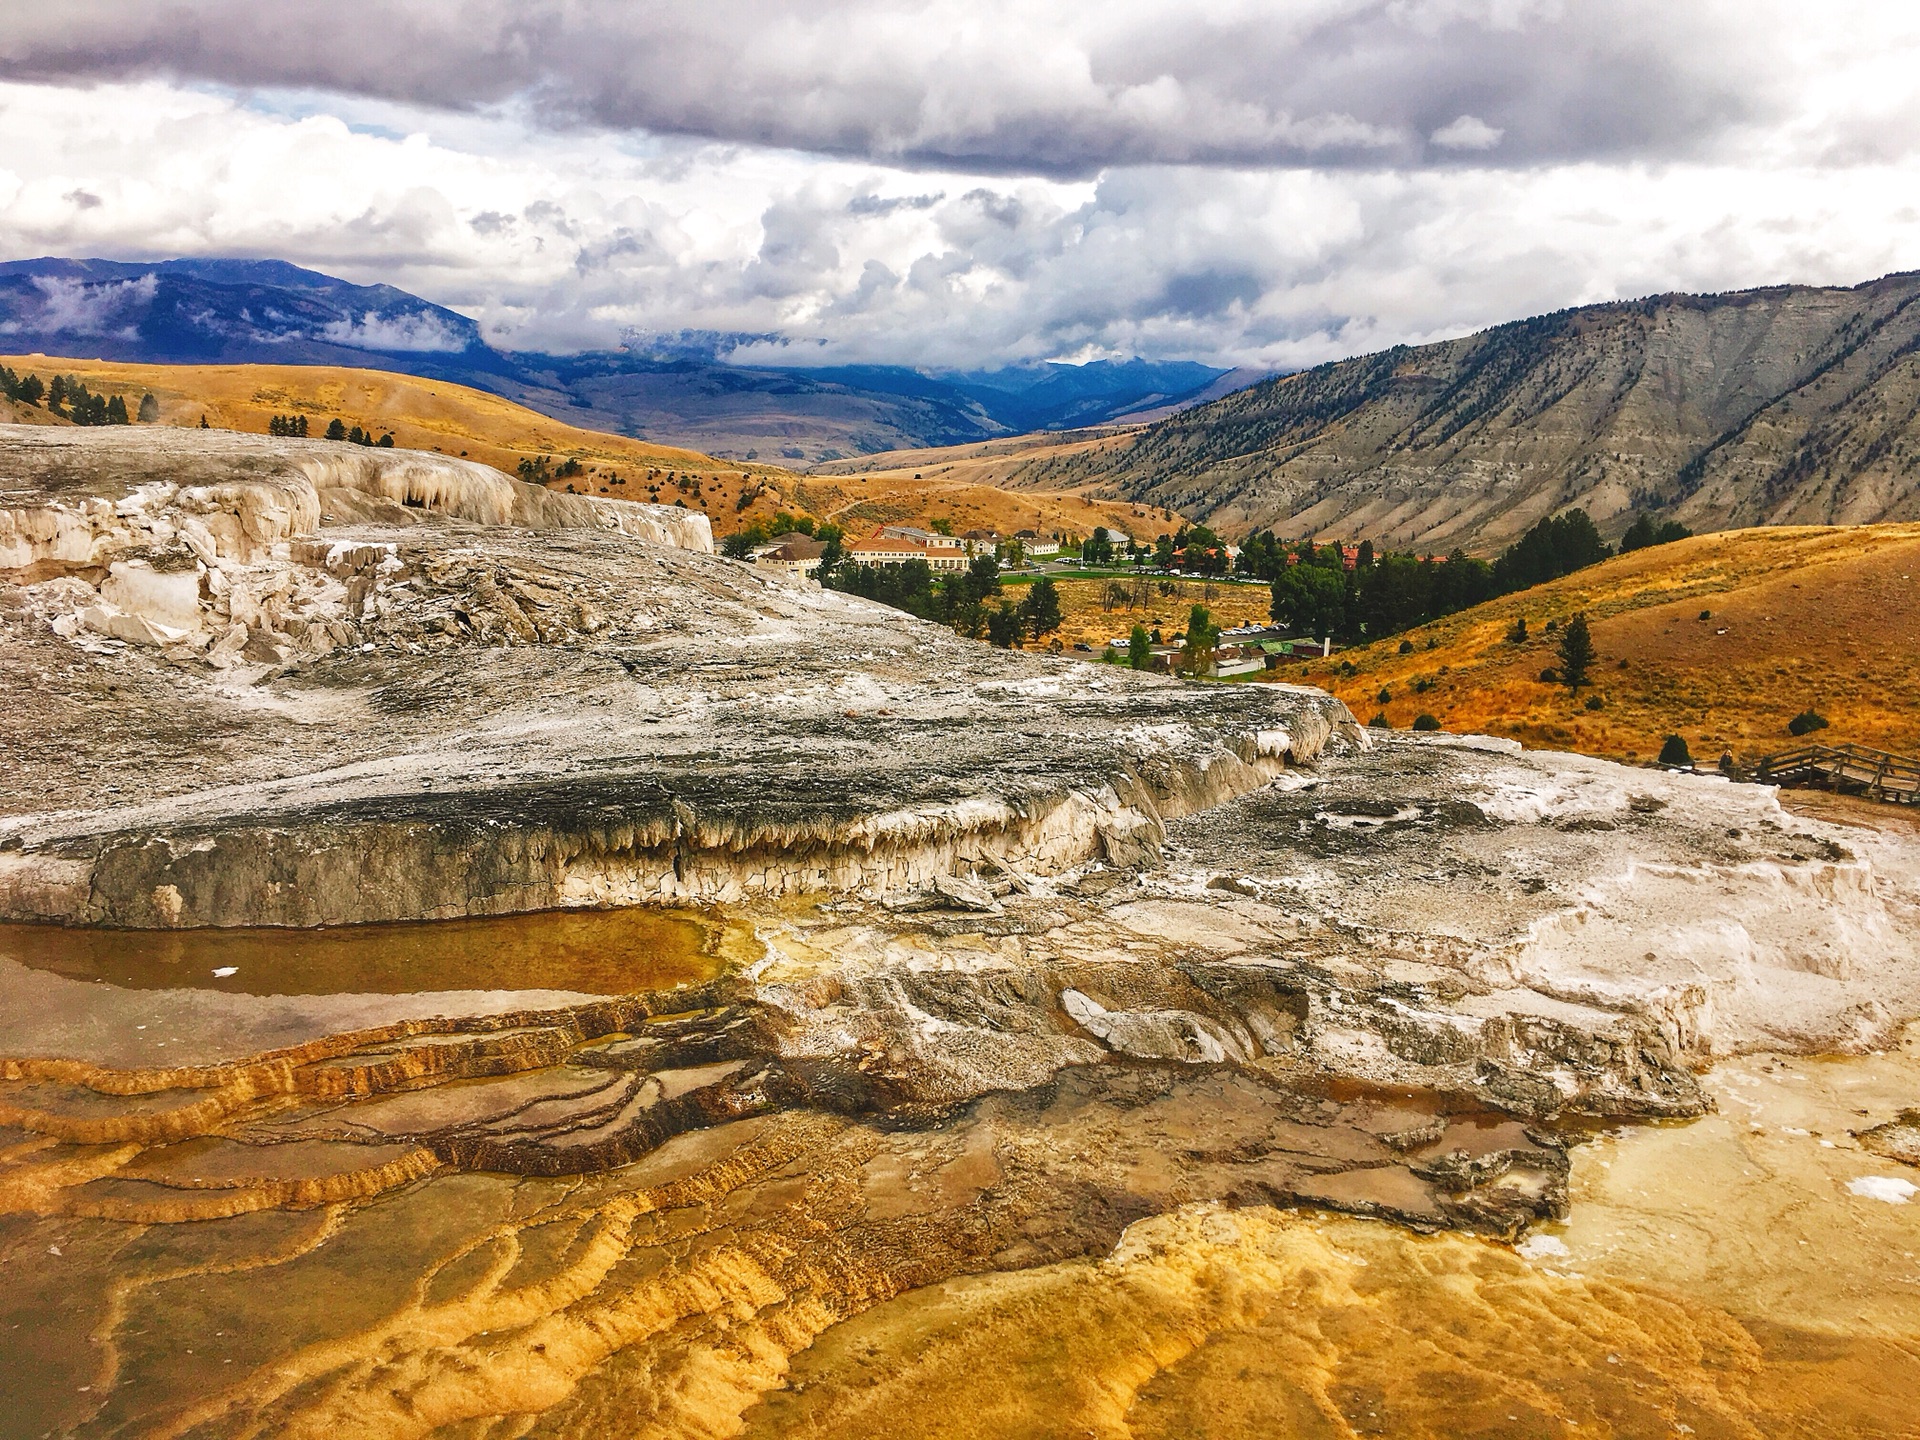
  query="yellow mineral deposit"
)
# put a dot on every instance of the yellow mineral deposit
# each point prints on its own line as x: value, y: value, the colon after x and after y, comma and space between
x: 1727, y: 1277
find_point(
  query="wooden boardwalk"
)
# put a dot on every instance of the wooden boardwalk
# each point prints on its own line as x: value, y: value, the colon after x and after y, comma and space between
x: 1852, y: 768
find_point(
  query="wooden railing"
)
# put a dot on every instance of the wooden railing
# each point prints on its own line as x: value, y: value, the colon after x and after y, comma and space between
x: 1855, y: 768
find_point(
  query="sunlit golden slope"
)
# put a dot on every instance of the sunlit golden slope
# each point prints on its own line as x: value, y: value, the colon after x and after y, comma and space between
x: 1721, y: 639
x: 422, y: 414
x: 458, y: 420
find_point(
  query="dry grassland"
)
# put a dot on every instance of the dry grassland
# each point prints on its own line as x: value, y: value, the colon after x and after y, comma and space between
x: 458, y: 420
x: 1721, y: 639
x: 422, y: 414
x: 1087, y: 618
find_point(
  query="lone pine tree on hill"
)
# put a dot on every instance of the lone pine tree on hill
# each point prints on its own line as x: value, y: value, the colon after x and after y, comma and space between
x: 1576, y: 653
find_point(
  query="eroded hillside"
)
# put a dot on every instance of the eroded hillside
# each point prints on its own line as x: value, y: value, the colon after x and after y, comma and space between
x: 1791, y: 405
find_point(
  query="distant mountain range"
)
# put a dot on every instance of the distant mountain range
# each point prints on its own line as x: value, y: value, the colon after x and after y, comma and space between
x: 1789, y: 405
x: 677, y: 392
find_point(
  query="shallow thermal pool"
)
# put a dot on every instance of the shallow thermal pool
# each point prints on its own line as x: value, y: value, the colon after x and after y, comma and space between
x: 589, y: 952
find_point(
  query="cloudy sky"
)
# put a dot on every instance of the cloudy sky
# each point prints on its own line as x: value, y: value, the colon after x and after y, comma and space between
x: 958, y: 182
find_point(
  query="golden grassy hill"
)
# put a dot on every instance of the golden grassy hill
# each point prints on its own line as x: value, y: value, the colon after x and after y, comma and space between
x: 1799, y: 617
x: 860, y: 502
x: 458, y: 420
x: 422, y: 414
x: 958, y: 473
x: 985, y: 462
x: 13, y: 412
x: 967, y: 484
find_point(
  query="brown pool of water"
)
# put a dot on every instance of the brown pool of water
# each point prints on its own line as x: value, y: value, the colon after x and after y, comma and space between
x: 594, y: 952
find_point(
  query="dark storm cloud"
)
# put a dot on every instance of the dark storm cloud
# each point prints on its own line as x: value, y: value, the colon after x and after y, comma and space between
x: 1062, y: 88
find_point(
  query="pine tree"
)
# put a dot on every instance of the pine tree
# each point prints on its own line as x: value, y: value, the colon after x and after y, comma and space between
x: 1675, y: 752
x: 149, y: 409
x: 1041, y: 609
x: 1576, y: 653
x: 1196, y: 653
x: 117, y: 411
x: 1139, y: 648
x: 336, y: 429
x: 1003, y: 625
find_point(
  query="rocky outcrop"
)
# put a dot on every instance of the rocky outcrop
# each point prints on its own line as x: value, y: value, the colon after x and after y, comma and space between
x: 210, y: 539
x: 726, y: 734
x: 1008, y: 961
x: 635, y: 838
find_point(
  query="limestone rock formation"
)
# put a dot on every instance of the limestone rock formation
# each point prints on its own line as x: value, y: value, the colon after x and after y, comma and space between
x: 991, y: 975
x: 391, y: 686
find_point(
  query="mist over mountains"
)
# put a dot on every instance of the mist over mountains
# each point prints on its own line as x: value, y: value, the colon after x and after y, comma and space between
x: 675, y: 390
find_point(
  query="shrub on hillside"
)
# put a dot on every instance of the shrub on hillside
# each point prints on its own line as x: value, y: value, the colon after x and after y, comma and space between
x: 1424, y: 721
x: 1674, y: 752
x: 1380, y: 722
x: 1806, y: 722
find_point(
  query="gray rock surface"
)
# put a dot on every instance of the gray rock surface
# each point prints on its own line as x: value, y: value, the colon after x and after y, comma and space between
x: 322, y: 704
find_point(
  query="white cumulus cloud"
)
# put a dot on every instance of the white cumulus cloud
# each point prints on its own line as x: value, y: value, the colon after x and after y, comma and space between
x: 1269, y: 182
x: 1469, y: 132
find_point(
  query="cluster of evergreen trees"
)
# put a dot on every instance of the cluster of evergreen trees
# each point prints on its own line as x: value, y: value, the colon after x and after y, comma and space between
x: 71, y: 400
x: 26, y: 389
x: 68, y: 397
x: 1645, y: 531
x: 961, y: 600
x: 337, y: 430
x: 293, y: 426
x: 1316, y: 594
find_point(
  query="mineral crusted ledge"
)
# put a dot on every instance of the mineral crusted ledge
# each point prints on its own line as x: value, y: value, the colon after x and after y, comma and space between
x: 317, y: 689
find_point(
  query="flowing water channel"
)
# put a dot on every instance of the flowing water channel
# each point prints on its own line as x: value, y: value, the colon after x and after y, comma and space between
x: 316, y: 1194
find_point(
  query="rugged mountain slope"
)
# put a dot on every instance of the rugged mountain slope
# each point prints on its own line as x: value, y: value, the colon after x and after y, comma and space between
x: 679, y: 392
x: 1781, y: 406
